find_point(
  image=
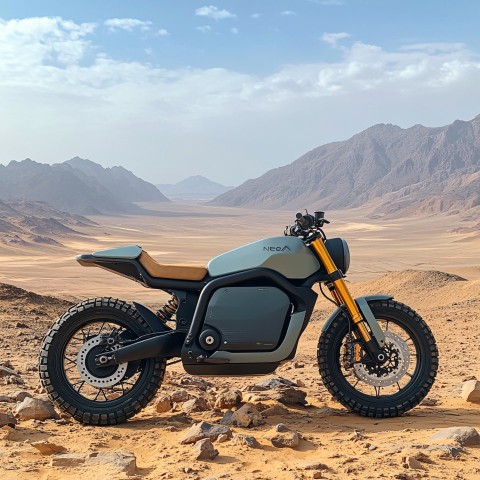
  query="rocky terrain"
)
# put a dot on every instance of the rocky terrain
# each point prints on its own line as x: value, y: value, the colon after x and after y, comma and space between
x: 77, y: 186
x: 25, y: 223
x: 397, y: 171
x: 280, y: 427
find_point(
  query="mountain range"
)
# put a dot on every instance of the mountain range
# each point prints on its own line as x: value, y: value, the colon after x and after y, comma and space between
x: 196, y: 187
x: 77, y: 185
x: 396, y: 171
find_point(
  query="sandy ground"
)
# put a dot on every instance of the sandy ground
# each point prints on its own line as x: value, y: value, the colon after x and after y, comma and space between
x: 390, y: 257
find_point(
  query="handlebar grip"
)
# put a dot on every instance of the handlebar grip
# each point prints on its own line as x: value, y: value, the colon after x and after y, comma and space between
x: 305, y: 221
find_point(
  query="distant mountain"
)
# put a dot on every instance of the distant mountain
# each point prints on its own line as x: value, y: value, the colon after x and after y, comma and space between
x: 77, y: 186
x: 397, y: 171
x: 24, y: 222
x: 196, y: 187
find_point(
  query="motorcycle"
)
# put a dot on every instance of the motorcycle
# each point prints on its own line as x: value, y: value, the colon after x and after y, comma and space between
x: 104, y: 359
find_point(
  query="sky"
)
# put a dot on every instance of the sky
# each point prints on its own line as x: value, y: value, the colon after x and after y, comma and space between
x: 228, y: 89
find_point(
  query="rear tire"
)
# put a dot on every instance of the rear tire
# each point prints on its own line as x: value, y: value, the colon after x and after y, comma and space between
x: 421, y: 378
x: 54, y: 376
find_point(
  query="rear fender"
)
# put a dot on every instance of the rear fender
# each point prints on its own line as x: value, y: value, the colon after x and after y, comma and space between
x: 152, y: 320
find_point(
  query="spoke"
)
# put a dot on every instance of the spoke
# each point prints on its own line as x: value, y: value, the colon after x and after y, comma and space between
x: 356, y: 383
x: 123, y: 388
x: 386, y: 326
x: 106, y: 398
x: 101, y: 328
x: 81, y: 382
x: 399, y: 387
x: 69, y: 360
x: 377, y: 391
x: 97, y: 395
x: 409, y: 374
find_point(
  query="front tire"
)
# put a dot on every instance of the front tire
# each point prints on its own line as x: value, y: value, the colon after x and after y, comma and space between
x: 359, y: 389
x: 97, y: 397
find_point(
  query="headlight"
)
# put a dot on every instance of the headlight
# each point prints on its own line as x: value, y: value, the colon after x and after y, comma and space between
x: 338, y: 250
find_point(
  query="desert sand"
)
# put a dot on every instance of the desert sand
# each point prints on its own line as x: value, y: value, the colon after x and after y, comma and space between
x: 416, y: 260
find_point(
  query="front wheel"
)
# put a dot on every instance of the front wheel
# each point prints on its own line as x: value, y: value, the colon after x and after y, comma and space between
x: 90, y: 394
x: 386, y: 390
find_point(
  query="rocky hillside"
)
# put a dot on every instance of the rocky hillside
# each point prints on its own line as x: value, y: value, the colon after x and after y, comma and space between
x: 24, y: 222
x: 196, y: 187
x: 399, y: 171
x: 77, y: 186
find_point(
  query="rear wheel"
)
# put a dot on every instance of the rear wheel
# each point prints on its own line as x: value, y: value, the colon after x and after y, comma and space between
x: 93, y: 395
x: 387, y: 390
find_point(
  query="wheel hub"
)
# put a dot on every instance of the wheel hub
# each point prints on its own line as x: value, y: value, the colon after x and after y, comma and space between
x: 98, y: 377
x: 390, y: 371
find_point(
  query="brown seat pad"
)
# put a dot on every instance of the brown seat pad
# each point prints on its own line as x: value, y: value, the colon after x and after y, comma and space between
x: 174, y: 272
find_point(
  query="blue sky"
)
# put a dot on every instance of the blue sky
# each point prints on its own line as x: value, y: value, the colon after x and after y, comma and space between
x: 227, y: 89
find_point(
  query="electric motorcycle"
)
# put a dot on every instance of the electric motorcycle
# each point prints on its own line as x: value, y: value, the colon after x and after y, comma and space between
x: 104, y: 359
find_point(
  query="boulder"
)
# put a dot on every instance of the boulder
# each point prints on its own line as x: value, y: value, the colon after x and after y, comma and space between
x: 291, y: 396
x: 7, y: 419
x: 180, y: 396
x: 246, y: 416
x: 464, y: 436
x: 471, y: 391
x: 228, y: 399
x: 35, y: 409
x: 204, y: 450
x: 20, y: 395
x: 247, y: 440
x: 195, y: 405
x: 286, y: 440
x: 163, y: 404
x: 47, y: 448
x: 200, y: 383
x: 412, y: 462
x: 275, y: 410
x: 121, y: 461
x: 67, y: 459
x: 203, y: 430
x: 273, y: 382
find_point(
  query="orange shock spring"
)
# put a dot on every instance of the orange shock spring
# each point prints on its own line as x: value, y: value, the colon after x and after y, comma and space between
x: 168, y: 310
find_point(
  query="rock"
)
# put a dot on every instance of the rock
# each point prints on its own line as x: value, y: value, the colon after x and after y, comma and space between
x: 7, y: 433
x: 281, y: 427
x: 163, y: 404
x: 180, y: 418
x: 67, y: 459
x: 464, y: 436
x: 7, y: 371
x: 317, y: 475
x: 246, y: 416
x: 315, y: 466
x: 195, y: 382
x: 203, y: 430
x: 228, y: 399
x: 47, y: 448
x: 287, y: 439
x: 274, y: 382
x: 222, y: 438
x: 122, y: 461
x: 180, y: 396
x: 7, y: 419
x: 36, y: 409
x: 291, y: 396
x: 14, y: 380
x: 275, y: 410
x: 446, y: 451
x: 195, y: 405
x: 248, y: 440
x: 412, y: 462
x: 21, y: 325
x: 6, y: 399
x: 20, y: 395
x: 429, y: 402
x: 204, y: 450
x: 471, y: 391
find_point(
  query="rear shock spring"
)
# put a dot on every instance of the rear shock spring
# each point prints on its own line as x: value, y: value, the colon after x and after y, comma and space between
x: 166, y: 312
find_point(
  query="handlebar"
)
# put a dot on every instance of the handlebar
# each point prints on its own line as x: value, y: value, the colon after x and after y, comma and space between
x: 306, y: 223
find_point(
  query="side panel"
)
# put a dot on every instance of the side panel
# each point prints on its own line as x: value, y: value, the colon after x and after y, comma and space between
x: 248, y: 318
x: 286, y: 255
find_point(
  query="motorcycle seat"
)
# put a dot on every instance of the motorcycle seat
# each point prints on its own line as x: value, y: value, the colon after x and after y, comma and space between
x: 173, y: 272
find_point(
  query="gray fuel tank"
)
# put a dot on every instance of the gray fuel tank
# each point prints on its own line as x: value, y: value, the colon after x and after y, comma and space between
x: 286, y: 255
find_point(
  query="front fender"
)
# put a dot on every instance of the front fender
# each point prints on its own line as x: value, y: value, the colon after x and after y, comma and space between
x: 360, y: 301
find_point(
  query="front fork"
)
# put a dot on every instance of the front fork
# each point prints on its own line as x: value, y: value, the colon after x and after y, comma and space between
x: 366, y: 327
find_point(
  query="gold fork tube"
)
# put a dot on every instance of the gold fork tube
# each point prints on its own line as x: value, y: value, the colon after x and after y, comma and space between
x: 341, y: 292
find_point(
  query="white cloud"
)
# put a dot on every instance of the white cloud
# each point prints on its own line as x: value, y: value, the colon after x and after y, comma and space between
x: 162, y: 32
x: 214, y: 12
x: 334, y: 38
x: 203, y: 28
x: 235, y: 30
x: 256, y: 15
x: 287, y: 13
x: 61, y: 96
x: 128, y: 24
